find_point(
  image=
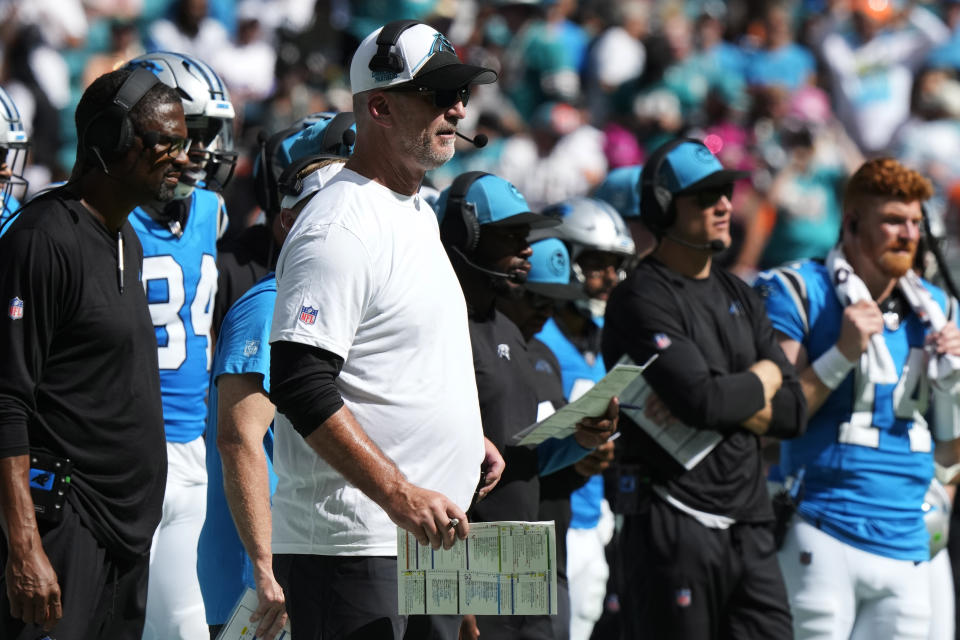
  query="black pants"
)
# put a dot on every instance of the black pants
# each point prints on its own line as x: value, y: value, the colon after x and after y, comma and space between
x: 101, y: 596
x: 349, y: 598
x: 516, y: 627
x: 684, y: 580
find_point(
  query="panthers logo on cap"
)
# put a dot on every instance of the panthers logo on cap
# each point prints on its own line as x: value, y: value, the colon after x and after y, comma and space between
x: 704, y: 155
x: 440, y: 43
x: 558, y: 262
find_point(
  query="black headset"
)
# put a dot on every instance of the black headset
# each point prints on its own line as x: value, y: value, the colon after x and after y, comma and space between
x: 460, y: 228
x: 266, y: 180
x: 385, y: 59
x: 656, y: 200
x: 110, y: 133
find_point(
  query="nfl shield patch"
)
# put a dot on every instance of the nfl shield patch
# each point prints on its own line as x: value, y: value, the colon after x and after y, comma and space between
x: 683, y: 597
x: 662, y: 341
x: 308, y: 315
x: 15, y: 309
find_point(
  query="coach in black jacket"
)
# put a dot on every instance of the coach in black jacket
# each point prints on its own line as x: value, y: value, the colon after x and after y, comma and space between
x: 80, y: 379
x: 699, y: 558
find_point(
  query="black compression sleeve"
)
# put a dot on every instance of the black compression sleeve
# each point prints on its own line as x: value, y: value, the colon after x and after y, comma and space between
x: 303, y: 384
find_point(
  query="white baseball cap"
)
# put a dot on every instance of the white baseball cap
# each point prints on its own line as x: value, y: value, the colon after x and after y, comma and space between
x: 421, y: 57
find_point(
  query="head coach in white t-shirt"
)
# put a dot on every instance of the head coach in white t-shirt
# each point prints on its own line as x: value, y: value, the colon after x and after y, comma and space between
x: 378, y: 422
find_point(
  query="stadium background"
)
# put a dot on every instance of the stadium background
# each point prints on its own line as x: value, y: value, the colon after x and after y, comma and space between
x: 585, y: 87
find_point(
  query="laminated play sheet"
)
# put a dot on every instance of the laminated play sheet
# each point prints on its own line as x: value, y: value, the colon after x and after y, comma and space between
x: 502, y: 568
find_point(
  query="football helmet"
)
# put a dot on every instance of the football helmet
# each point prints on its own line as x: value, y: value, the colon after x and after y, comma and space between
x: 936, y: 515
x: 13, y: 149
x: 209, y: 115
x: 588, y: 224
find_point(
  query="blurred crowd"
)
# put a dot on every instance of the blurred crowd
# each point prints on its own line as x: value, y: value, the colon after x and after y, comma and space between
x: 795, y: 92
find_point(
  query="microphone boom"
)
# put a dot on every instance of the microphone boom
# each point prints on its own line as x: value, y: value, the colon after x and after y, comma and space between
x: 479, y: 140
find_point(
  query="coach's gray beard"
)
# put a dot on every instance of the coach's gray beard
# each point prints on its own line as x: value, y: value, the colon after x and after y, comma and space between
x: 422, y: 150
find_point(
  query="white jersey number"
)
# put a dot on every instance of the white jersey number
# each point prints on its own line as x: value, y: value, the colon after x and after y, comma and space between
x: 167, y: 314
x: 910, y: 400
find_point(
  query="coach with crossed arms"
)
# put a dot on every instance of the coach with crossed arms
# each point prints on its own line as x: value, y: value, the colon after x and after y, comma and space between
x: 378, y: 421
x: 698, y: 553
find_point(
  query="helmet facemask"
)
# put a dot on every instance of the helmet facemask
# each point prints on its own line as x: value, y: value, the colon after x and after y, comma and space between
x: 212, y: 158
x: 13, y: 160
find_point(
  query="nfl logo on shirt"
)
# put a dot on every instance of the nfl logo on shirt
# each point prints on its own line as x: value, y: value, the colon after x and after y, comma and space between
x: 15, y: 309
x: 662, y: 341
x: 683, y: 597
x: 308, y: 315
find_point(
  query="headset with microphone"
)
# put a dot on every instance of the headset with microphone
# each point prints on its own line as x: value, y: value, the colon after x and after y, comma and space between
x: 110, y: 133
x: 479, y: 140
x: 656, y: 201
x: 460, y: 228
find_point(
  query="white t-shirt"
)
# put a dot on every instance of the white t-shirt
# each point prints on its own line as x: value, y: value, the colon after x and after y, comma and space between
x: 363, y: 275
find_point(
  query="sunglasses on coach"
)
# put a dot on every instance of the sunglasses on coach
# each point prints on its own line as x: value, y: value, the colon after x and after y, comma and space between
x: 441, y: 98
x: 708, y: 197
x: 165, y: 145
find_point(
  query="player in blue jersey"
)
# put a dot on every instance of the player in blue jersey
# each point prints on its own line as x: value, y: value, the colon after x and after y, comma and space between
x: 234, y: 549
x: 13, y: 156
x: 863, y: 330
x: 179, y: 241
x: 600, y: 246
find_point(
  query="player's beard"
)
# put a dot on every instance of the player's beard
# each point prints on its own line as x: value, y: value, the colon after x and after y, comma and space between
x: 894, y: 265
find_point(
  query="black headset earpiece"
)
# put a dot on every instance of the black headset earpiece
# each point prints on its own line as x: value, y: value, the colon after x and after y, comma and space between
x: 265, y: 180
x: 385, y: 59
x: 460, y: 228
x: 655, y: 199
x: 338, y: 132
x: 110, y: 133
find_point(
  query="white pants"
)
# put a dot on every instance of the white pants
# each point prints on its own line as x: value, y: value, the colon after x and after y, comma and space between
x: 837, y: 591
x: 587, y: 572
x: 942, y: 621
x: 174, y: 604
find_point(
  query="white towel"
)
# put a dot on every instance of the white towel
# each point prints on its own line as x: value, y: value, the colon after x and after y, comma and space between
x: 876, y: 363
x: 943, y: 371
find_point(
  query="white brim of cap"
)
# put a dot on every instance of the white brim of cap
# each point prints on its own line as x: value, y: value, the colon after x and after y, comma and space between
x: 312, y: 183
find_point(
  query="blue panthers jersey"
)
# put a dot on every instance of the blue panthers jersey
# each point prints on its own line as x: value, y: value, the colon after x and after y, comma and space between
x: 578, y: 377
x: 867, y: 451
x: 243, y: 346
x: 7, y: 213
x: 180, y: 279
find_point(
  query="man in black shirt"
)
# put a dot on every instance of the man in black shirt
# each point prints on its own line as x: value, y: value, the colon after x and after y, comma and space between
x: 698, y: 559
x: 81, y: 381
x: 484, y: 223
x: 547, y: 284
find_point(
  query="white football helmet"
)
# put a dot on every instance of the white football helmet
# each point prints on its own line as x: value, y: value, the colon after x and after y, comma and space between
x: 209, y: 114
x: 936, y: 515
x: 588, y: 224
x: 13, y: 148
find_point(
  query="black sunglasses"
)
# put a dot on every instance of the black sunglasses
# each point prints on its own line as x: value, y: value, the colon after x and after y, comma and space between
x: 708, y: 197
x: 442, y: 98
x: 168, y: 145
